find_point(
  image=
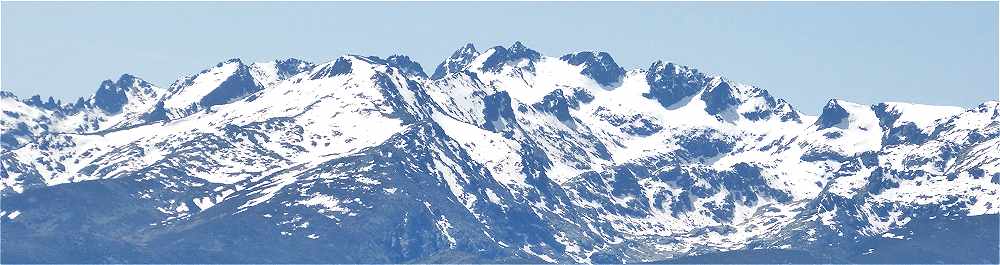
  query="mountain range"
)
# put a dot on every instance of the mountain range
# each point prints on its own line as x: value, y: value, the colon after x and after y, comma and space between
x: 498, y: 156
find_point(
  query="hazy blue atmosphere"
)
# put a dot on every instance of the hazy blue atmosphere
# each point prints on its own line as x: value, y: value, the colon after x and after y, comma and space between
x: 931, y: 53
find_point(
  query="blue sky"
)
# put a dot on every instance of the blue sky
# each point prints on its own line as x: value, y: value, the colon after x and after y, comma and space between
x: 942, y: 53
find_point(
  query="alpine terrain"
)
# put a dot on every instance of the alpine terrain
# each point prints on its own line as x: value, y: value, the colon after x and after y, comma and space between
x: 502, y: 155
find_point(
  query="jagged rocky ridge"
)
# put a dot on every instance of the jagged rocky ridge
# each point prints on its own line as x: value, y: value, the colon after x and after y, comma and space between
x: 503, y: 155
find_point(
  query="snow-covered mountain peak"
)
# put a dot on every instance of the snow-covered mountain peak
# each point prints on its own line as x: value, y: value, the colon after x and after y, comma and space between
x: 667, y: 68
x: 730, y: 100
x: 292, y: 65
x: 403, y: 63
x: 843, y: 114
x: 237, y: 61
x: 458, y: 61
x: 109, y: 97
x: 910, y: 119
x: 518, y: 49
x: 269, y: 73
x: 972, y: 126
x: 112, y: 96
x: 215, y: 73
x: 341, y: 66
x: 348, y: 63
x: 465, y: 50
x: 131, y: 81
x: 834, y: 113
x: 719, y: 96
x: 846, y: 128
x: 517, y: 55
x: 225, y: 82
x: 598, y: 66
x: 670, y: 83
x: 115, y: 104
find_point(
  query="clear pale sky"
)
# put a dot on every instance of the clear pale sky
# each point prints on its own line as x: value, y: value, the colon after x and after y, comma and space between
x: 942, y: 53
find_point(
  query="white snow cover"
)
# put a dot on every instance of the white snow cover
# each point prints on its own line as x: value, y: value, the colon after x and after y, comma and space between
x: 184, y: 94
